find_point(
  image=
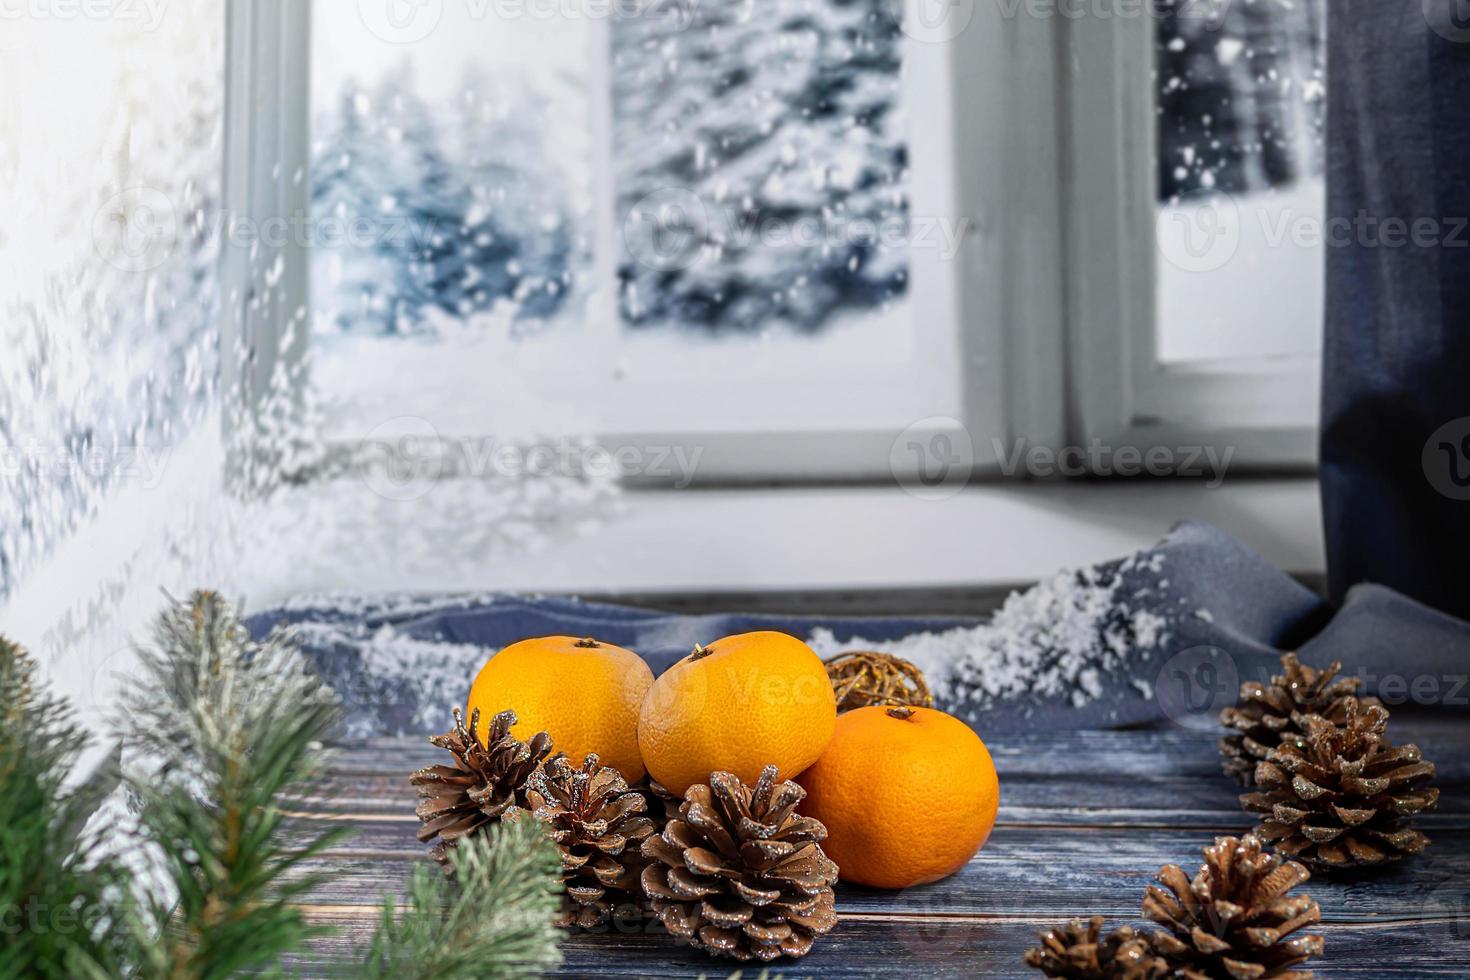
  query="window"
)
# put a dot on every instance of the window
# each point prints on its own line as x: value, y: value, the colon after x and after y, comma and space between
x: 587, y: 221
x: 808, y: 238
x: 1241, y: 116
x: 1214, y: 335
x: 110, y: 194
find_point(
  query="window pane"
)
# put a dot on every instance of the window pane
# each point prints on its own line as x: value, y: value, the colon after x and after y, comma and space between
x: 643, y: 199
x: 451, y: 197
x: 778, y: 137
x: 1241, y: 112
x: 110, y: 146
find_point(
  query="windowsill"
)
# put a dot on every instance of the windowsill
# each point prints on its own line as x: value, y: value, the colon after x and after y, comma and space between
x: 764, y: 540
x: 851, y: 549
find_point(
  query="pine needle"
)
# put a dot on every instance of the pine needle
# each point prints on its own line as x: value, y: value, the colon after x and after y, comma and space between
x: 228, y: 729
x: 493, y: 920
x: 233, y: 727
x: 56, y: 886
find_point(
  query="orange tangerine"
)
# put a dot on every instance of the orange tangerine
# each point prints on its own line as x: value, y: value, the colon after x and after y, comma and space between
x: 584, y: 693
x: 737, y: 705
x: 908, y: 795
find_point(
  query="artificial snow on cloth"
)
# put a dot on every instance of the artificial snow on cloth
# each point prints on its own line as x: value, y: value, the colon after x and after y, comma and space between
x: 1164, y: 635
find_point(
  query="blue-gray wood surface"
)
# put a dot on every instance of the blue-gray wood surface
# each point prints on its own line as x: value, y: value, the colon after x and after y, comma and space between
x: 1086, y: 819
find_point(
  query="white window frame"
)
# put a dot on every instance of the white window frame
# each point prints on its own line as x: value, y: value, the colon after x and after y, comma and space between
x: 263, y: 330
x: 1053, y: 292
x: 1264, y: 409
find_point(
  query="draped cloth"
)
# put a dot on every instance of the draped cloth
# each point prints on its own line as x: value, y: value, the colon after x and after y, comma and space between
x: 1225, y: 614
x: 1395, y: 444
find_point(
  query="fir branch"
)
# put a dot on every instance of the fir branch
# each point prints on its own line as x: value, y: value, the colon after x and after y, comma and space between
x: 492, y: 920
x: 56, y: 884
x: 233, y: 726
x: 229, y: 729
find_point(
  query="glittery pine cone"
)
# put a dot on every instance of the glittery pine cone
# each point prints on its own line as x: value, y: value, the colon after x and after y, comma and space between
x: 1079, y: 951
x: 1236, y: 919
x: 1340, y: 798
x: 487, y: 778
x: 1274, y: 714
x: 598, y: 825
x: 739, y: 873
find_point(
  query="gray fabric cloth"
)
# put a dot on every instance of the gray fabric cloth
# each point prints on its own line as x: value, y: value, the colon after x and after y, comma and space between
x: 1182, y: 626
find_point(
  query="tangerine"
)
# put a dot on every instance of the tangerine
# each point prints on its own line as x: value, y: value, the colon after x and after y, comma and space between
x: 584, y: 693
x: 908, y: 795
x: 738, y: 705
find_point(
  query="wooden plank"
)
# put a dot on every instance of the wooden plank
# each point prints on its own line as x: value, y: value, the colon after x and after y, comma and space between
x: 926, y: 947
x: 1128, y: 778
x: 1086, y: 819
x: 1143, y: 754
x: 1208, y: 804
x: 1039, y: 872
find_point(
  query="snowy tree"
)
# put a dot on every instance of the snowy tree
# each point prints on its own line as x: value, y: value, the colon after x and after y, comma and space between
x: 519, y: 235
x: 462, y: 212
x: 359, y: 172
x: 1241, y: 99
x: 779, y: 123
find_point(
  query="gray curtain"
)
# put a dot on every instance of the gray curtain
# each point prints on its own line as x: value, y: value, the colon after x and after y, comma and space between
x: 1396, y: 398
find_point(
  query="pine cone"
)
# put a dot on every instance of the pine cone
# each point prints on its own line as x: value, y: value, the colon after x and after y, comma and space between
x: 1235, y: 919
x: 739, y: 873
x: 1339, y: 799
x: 486, y: 780
x: 1273, y: 714
x: 599, y: 827
x: 1076, y: 952
x: 663, y: 806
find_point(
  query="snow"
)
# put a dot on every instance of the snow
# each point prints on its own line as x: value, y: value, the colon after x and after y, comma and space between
x: 390, y: 666
x: 1241, y: 124
x: 776, y: 129
x: 109, y: 187
x: 790, y: 108
x: 1245, y: 94
x: 1055, y: 640
x: 489, y: 324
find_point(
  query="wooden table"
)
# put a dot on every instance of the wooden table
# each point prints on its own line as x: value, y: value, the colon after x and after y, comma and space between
x: 1086, y: 818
